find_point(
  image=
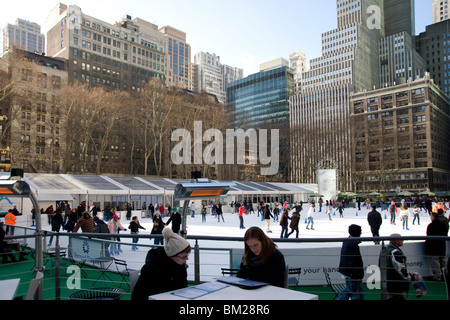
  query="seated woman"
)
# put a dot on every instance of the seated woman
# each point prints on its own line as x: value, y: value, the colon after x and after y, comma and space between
x: 262, y: 261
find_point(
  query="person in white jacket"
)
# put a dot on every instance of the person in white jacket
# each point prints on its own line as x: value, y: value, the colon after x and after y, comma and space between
x: 311, y: 211
x: 404, y: 215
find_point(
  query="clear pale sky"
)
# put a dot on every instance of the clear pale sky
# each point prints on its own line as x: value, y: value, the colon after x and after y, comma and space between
x: 244, y: 33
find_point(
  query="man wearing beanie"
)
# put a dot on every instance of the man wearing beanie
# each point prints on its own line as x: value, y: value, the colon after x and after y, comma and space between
x: 165, y: 267
x: 351, y: 266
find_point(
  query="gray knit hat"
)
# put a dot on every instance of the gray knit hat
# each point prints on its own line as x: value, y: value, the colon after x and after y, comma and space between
x: 173, y: 243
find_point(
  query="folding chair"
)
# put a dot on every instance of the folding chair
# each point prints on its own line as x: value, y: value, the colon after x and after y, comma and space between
x: 229, y: 271
x: 294, y: 277
x: 336, y: 288
x: 122, y: 269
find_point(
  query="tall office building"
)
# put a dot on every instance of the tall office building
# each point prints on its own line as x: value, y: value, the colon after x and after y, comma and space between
x: 440, y: 10
x: 297, y: 62
x: 401, y: 137
x: 231, y: 74
x: 124, y: 55
x: 320, y: 114
x: 179, y: 58
x: 434, y: 47
x: 261, y: 101
x: 24, y: 35
x: 207, y: 75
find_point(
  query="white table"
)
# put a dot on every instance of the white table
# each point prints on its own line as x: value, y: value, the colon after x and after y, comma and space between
x: 8, y: 289
x: 232, y: 292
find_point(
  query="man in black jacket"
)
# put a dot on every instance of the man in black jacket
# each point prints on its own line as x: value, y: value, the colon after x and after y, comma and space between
x: 436, y: 249
x: 374, y: 219
x: 351, y: 266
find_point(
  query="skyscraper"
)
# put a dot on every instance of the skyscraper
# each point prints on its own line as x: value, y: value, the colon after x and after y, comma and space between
x: 207, y: 75
x: 261, y: 101
x: 440, y: 11
x: 25, y: 35
x: 320, y: 122
x: 124, y: 55
x: 179, y: 58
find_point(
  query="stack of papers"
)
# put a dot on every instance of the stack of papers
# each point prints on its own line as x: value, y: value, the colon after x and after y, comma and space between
x: 199, y: 290
x: 242, y: 283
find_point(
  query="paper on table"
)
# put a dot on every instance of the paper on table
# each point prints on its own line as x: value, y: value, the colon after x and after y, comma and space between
x: 243, y: 283
x: 199, y: 290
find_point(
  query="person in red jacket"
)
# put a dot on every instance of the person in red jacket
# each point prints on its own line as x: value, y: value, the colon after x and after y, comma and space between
x: 241, y: 216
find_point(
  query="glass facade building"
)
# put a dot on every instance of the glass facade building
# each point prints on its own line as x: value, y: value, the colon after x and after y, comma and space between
x: 261, y: 101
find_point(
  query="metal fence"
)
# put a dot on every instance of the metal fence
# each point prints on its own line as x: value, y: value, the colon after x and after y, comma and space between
x: 317, y: 258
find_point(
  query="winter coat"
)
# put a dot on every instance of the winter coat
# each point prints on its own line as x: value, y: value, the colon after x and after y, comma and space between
x: 266, y: 212
x: 159, y: 274
x: 273, y: 272
x: 57, y: 222
x: 374, y: 219
x: 294, y: 221
x: 101, y: 227
x: 70, y: 224
x: 175, y: 218
x: 135, y: 226
x: 436, y: 247
x: 397, y: 275
x: 86, y: 225
x: 284, y: 220
x: 351, y: 263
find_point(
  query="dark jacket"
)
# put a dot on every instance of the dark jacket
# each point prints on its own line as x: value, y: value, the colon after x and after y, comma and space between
x: 266, y: 212
x: 57, y: 222
x: 70, y: 224
x: 175, y: 218
x: 284, y: 220
x: 101, y: 227
x: 273, y: 272
x: 351, y: 263
x: 436, y: 247
x: 135, y: 226
x: 374, y: 219
x: 159, y: 274
x: 396, y: 273
x: 294, y: 221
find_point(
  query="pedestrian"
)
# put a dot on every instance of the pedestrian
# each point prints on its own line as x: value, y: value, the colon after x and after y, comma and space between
x: 102, y: 227
x: 329, y: 212
x: 33, y: 216
x: 115, y: 227
x: 165, y: 267
x: 49, y: 211
x: 192, y: 208
x: 416, y: 214
x: 392, y: 210
x: 86, y: 223
x: 71, y: 221
x: 276, y: 212
x: 158, y: 226
x: 5, y: 253
x: 57, y: 222
x: 311, y: 211
x: 397, y: 279
x: 340, y: 208
x: 241, y: 216
x: 219, y: 212
x: 374, y: 219
x: 436, y: 249
x: 262, y: 261
x: 203, y: 213
x: 404, y: 216
x: 284, y: 221
x: 351, y: 266
x: 10, y: 221
x: 128, y: 211
x: 295, y: 219
x: 134, y: 229
x: 175, y: 219
x: 266, y: 216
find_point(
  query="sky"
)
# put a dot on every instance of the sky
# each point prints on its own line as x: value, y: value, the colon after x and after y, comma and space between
x: 244, y: 33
